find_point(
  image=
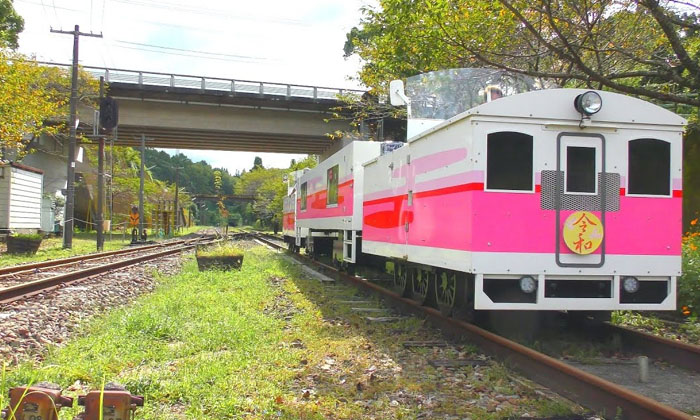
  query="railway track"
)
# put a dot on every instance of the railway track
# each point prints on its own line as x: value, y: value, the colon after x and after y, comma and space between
x: 25, y: 275
x: 591, y: 391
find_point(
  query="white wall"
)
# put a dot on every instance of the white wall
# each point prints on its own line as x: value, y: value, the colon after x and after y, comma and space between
x: 4, y: 197
x: 25, y: 199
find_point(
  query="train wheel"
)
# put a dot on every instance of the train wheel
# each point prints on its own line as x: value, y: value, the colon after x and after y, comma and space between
x: 449, y: 290
x: 400, y: 279
x: 420, y: 284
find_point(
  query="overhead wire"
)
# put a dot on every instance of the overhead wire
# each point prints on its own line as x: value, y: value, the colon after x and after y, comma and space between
x: 53, y: 3
x: 184, y: 52
x: 43, y: 8
x: 43, y: 5
x: 207, y: 12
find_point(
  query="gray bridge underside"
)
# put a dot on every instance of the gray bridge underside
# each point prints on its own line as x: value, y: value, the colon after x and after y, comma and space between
x: 190, y: 118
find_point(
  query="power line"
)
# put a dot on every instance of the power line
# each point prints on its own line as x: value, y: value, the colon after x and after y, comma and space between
x: 43, y: 5
x: 53, y: 3
x: 207, y: 12
x: 43, y: 8
x: 102, y: 20
x: 183, y: 51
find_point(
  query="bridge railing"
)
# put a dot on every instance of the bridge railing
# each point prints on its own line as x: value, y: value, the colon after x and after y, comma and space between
x: 143, y: 78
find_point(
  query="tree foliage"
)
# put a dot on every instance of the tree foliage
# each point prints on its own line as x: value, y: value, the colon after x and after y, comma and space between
x: 195, y: 177
x: 648, y: 48
x: 27, y: 99
x: 34, y: 100
x: 11, y: 24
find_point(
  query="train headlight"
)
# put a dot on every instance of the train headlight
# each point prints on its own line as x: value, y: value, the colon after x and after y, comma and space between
x: 588, y: 103
x: 528, y: 284
x: 630, y: 284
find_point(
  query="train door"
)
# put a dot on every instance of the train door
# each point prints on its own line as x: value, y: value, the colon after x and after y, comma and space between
x: 580, y: 200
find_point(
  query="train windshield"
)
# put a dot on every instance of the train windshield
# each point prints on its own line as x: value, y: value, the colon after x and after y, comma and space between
x: 442, y: 94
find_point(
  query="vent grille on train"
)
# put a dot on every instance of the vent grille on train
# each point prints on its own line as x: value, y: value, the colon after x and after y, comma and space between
x: 611, y: 189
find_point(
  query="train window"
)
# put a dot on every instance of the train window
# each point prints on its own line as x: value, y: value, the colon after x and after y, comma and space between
x: 509, y: 161
x: 303, y: 196
x: 332, y: 195
x: 580, y: 169
x: 649, y: 164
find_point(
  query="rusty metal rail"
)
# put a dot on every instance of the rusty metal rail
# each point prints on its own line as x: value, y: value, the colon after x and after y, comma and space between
x: 21, y: 291
x: 675, y: 352
x: 588, y: 390
x: 16, y: 269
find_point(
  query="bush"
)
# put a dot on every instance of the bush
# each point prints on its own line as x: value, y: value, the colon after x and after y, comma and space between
x: 689, y: 282
x: 222, y: 257
x: 226, y: 250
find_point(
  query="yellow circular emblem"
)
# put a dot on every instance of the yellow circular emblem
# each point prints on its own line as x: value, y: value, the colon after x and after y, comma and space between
x: 583, y: 232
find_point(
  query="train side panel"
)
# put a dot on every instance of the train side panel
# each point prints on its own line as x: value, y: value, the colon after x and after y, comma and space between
x: 330, y: 193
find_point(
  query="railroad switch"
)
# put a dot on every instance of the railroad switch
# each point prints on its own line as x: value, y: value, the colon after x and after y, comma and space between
x: 38, y: 402
x: 117, y: 404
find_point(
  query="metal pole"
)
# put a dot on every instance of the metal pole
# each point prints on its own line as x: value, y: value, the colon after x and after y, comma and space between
x: 70, y: 176
x: 143, y: 159
x: 100, y: 178
x: 177, y: 212
x: 111, y: 181
x: 70, y: 183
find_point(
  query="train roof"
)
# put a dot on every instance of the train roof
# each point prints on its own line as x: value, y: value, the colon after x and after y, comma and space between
x: 557, y: 105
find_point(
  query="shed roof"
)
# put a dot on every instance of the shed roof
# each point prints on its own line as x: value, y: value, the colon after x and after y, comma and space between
x: 23, y: 167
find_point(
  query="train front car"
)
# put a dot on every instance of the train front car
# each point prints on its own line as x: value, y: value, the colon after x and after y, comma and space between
x: 558, y: 199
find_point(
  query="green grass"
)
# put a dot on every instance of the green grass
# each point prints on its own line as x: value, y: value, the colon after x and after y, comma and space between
x: 52, y: 248
x: 30, y: 236
x: 267, y: 342
x: 83, y: 243
x: 188, y: 344
x: 192, y: 229
x: 220, y: 250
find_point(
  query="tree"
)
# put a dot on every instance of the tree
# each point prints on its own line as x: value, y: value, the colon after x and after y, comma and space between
x: 26, y: 101
x: 648, y: 48
x: 11, y: 24
x: 257, y: 163
x: 34, y: 100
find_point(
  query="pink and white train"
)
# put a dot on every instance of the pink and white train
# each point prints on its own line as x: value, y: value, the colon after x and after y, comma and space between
x: 555, y: 199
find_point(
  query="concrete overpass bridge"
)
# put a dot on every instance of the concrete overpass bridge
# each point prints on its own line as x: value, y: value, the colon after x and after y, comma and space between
x: 192, y: 112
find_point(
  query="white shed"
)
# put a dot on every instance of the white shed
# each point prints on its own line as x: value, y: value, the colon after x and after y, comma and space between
x: 20, y: 197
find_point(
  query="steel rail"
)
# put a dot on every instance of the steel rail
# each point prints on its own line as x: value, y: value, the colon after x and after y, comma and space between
x: 603, y: 396
x: 16, y: 269
x: 13, y: 293
x: 673, y: 351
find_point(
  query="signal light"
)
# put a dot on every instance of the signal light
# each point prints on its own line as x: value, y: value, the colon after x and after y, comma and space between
x: 109, y: 113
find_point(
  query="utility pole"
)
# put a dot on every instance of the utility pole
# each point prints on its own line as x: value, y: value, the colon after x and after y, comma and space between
x: 70, y: 184
x: 100, y: 177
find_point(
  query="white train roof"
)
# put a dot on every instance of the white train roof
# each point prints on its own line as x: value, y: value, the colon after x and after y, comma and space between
x: 557, y: 105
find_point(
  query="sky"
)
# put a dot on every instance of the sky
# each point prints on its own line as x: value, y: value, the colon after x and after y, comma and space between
x: 296, y: 42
